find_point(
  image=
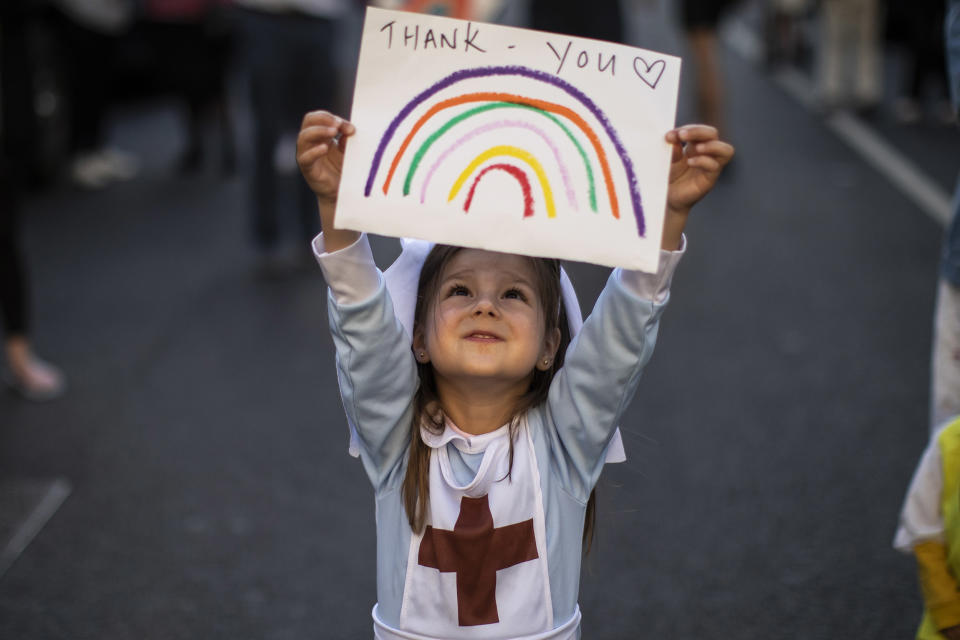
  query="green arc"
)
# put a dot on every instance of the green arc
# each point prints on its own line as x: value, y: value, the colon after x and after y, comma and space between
x: 421, y: 152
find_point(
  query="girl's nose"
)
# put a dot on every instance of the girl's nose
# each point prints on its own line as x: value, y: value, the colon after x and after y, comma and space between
x: 485, y: 306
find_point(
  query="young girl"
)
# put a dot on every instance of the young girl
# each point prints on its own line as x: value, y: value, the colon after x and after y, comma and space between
x: 481, y: 422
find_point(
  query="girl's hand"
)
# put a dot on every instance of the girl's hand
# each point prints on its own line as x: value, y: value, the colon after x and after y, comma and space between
x: 320, y: 146
x: 698, y: 157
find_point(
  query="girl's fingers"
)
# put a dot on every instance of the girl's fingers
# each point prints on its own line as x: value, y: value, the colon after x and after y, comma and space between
x: 715, y: 148
x: 316, y: 134
x: 707, y: 163
x: 697, y: 133
x: 328, y: 120
x: 676, y: 153
x: 320, y: 119
x: 691, y: 133
x: 311, y: 155
x: 320, y: 133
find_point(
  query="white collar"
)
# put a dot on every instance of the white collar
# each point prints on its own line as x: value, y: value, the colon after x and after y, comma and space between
x: 465, y: 442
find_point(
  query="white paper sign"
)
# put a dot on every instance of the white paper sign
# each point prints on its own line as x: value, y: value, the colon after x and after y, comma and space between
x: 509, y: 140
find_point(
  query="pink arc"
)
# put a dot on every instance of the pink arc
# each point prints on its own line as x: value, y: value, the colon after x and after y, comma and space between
x: 571, y: 197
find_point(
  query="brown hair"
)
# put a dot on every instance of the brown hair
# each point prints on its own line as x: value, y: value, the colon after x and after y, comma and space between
x: 426, y: 409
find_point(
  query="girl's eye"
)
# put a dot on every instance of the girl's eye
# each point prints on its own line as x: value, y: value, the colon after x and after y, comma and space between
x: 514, y: 294
x: 458, y: 290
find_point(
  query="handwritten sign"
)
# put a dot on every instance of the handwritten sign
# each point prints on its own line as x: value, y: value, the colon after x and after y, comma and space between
x: 509, y: 140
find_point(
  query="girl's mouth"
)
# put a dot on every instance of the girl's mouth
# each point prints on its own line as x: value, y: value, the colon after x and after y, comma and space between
x: 483, y: 337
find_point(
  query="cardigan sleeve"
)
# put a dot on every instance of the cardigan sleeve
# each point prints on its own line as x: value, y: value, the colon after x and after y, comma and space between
x: 375, y: 367
x: 601, y: 372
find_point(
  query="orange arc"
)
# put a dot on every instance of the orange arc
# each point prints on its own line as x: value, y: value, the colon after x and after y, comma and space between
x: 509, y: 97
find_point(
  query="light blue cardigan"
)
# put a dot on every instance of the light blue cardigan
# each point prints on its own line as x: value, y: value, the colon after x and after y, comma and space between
x: 570, y: 432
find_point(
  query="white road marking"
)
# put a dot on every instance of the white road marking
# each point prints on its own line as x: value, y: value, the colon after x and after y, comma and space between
x: 56, y: 493
x: 878, y: 153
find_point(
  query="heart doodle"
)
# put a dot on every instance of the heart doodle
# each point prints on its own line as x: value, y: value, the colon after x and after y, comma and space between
x: 651, y: 73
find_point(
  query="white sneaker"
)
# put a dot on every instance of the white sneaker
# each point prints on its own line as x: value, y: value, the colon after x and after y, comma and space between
x: 119, y: 165
x: 39, y: 381
x: 88, y: 172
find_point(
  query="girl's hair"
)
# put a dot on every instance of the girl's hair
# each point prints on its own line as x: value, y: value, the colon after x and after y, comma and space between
x: 426, y: 405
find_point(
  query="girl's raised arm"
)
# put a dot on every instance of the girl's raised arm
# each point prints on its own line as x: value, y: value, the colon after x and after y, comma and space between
x: 368, y: 338
x: 320, y: 146
x: 602, y: 367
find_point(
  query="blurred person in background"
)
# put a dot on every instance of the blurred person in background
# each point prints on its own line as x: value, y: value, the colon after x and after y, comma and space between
x: 784, y: 39
x: 848, y: 67
x: 89, y: 31
x: 25, y: 372
x: 287, y: 49
x: 191, y: 40
x: 930, y: 519
x: 916, y: 26
x: 700, y: 19
x: 945, y: 368
x: 604, y: 20
x: 599, y: 19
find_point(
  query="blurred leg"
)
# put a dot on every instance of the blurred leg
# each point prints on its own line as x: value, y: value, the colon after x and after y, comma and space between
x: 830, y: 59
x: 29, y: 375
x: 867, y: 43
x: 600, y: 19
x: 88, y: 58
x: 264, y: 62
x: 13, y: 292
x: 703, y: 43
x: 312, y: 87
x: 16, y: 138
x: 266, y: 133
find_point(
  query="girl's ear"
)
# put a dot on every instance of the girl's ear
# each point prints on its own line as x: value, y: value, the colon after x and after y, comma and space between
x: 420, y: 348
x: 551, y: 342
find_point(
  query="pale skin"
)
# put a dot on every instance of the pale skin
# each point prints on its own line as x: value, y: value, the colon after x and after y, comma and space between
x: 485, y: 334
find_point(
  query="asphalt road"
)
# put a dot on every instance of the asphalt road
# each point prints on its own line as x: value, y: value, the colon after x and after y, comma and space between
x: 212, y: 497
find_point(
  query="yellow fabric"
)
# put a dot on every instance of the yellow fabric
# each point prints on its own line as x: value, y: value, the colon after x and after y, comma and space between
x: 939, y: 563
x: 939, y: 587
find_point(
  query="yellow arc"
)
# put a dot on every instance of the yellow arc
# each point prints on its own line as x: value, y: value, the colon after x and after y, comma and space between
x: 520, y: 154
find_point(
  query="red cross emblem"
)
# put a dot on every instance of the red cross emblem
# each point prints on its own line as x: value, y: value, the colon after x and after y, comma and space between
x: 475, y: 551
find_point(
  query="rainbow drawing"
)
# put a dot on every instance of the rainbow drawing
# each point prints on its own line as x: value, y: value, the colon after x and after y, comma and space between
x: 550, y: 121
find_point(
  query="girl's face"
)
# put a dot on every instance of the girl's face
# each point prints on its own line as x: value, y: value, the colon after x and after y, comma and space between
x: 486, y: 324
